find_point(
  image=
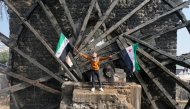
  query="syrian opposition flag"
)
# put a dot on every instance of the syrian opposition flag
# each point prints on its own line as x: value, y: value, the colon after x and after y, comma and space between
x: 63, y: 47
x: 129, y: 57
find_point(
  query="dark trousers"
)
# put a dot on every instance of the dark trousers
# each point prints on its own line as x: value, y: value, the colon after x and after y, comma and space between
x: 97, y: 73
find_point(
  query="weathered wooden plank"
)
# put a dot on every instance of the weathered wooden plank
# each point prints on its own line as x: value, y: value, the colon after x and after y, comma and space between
x: 40, y: 38
x: 37, y: 84
x: 158, y: 84
x: 185, y: 24
x: 178, y: 13
x: 97, y: 7
x: 14, y: 100
x: 167, y: 71
x: 187, y: 106
x: 68, y: 14
x: 27, y: 16
x: 24, y: 85
x: 150, y: 98
x: 10, y: 44
x: 58, y: 29
x: 178, y: 60
x: 144, y: 86
x: 85, y: 23
x: 98, y: 24
x: 150, y: 74
x: 51, y: 17
x: 157, y: 18
x: 118, y: 23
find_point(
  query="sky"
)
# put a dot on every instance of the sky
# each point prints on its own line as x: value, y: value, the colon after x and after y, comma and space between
x: 183, y: 37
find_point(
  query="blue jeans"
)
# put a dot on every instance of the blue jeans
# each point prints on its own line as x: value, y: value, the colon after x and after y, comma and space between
x: 97, y: 73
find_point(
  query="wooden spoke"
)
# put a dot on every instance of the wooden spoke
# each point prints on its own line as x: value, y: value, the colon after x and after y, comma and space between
x: 27, y: 16
x: 118, y: 23
x: 167, y: 71
x: 150, y: 98
x: 37, y: 84
x: 178, y: 13
x: 58, y: 30
x: 40, y: 38
x: 51, y: 17
x: 179, y: 60
x: 68, y: 14
x: 25, y: 85
x: 85, y: 23
x: 10, y: 44
x: 157, y: 18
x: 156, y: 82
x: 100, y: 14
x: 187, y: 105
x: 14, y: 100
x: 166, y: 31
x: 98, y: 24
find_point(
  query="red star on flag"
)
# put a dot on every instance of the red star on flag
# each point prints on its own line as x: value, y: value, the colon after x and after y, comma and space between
x: 130, y: 50
x: 59, y: 53
x: 67, y: 40
x: 132, y: 58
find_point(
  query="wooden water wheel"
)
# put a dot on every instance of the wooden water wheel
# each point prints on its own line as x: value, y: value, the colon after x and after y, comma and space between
x: 35, y: 27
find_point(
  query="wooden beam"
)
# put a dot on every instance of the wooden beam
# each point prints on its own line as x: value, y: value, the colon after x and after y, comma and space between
x: 14, y: 100
x: 158, y: 84
x: 150, y: 74
x: 97, y: 7
x: 178, y: 60
x: 37, y: 84
x: 85, y: 22
x: 98, y: 24
x: 187, y: 106
x: 51, y: 17
x: 25, y: 85
x: 167, y: 71
x: 68, y: 14
x: 118, y: 23
x: 184, y: 4
x: 10, y: 44
x: 178, y: 13
x: 27, y: 16
x: 40, y: 38
x: 58, y: 29
x: 145, y: 88
x: 185, y: 24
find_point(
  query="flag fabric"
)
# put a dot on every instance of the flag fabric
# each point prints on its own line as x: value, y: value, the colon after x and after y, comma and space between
x: 63, y: 47
x: 129, y: 56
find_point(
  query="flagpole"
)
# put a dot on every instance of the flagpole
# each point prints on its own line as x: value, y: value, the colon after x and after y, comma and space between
x: 75, y: 49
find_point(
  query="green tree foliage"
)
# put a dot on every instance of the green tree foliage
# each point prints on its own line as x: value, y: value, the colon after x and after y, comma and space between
x: 4, y: 57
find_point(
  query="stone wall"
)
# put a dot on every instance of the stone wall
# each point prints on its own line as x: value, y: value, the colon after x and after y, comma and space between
x: 35, y: 98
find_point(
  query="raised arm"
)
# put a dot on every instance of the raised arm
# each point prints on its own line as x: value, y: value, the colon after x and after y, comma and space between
x: 85, y: 56
x: 107, y: 57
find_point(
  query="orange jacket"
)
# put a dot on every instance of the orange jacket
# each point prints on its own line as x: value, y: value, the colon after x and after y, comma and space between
x: 95, y: 61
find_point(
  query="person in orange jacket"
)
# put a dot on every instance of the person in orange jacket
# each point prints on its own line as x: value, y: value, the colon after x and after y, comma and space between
x: 95, y: 61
